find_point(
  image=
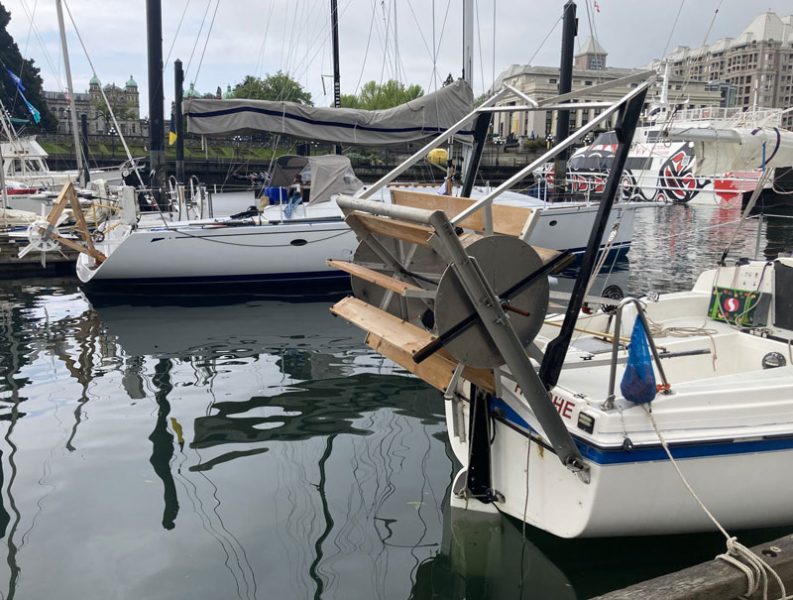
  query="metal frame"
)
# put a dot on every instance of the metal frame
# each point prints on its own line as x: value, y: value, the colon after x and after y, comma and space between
x: 489, y: 308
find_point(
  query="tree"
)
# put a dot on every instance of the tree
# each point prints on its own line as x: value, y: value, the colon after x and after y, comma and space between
x: 122, y: 108
x: 374, y: 96
x: 273, y: 87
x: 11, y: 58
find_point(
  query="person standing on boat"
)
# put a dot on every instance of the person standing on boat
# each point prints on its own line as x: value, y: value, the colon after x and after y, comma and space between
x: 295, y: 196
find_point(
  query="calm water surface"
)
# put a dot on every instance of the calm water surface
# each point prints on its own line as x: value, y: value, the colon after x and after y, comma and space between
x: 260, y: 450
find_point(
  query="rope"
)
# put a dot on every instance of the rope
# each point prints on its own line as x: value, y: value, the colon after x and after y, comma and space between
x: 753, y: 566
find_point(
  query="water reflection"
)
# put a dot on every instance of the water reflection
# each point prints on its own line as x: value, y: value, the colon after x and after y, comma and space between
x: 242, y: 407
x: 226, y: 447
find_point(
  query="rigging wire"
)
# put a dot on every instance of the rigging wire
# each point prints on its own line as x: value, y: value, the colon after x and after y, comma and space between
x: 176, y: 35
x: 104, y: 96
x: 206, y: 41
x: 197, y: 37
x: 674, y: 26
x: 368, y: 42
x: 545, y: 39
x: 55, y: 71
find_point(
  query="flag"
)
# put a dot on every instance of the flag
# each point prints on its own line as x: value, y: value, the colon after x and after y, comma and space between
x: 34, y: 112
x: 172, y: 131
x: 15, y: 78
x: 597, y: 6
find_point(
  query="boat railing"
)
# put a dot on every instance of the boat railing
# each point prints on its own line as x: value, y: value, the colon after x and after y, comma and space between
x: 733, y: 116
x: 615, y: 348
x: 639, y: 83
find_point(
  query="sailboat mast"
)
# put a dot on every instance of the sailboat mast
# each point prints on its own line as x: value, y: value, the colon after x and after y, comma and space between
x: 70, y: 88
x: 156, y: 99
x: 334, y: 26
x: 569, y: 31
x: 468, y: 42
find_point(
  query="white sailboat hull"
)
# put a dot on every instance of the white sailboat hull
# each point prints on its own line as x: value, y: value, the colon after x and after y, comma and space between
x: 288, y: 251
x: 196, y: 254
x: 728, y: 422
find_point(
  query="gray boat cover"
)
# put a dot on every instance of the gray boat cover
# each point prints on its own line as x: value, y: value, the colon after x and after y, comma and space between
x: 426, y: 116
x: 325, y: 175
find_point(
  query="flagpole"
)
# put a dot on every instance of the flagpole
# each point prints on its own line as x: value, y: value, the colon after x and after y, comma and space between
x: 67, y: 68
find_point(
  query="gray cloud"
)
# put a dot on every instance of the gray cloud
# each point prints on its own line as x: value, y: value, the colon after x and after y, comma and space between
x: 257, y: 37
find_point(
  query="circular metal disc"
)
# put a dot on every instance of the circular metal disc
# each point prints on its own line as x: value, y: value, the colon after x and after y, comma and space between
x: 419, y: 260
x: 504, y: 260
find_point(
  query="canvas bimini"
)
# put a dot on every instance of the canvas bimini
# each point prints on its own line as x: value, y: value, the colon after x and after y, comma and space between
x: 539, y: 412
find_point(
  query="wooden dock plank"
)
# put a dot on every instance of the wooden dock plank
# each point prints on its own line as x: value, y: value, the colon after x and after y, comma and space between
x: 713, y: 580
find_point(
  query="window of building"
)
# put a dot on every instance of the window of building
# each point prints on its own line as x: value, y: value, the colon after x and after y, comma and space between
x: 552, y: 80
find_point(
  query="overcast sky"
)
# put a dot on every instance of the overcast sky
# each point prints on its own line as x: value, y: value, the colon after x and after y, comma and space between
x: 262, y: 36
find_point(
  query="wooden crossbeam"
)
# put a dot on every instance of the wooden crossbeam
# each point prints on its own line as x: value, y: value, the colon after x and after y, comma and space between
x: 393, y: 228
x: 397, y: 340
x: 403, y: 288
x: 68, y: 196
x: 508, y: 220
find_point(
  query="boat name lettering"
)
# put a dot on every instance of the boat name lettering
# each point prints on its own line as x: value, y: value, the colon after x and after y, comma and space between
x: 563, y: 407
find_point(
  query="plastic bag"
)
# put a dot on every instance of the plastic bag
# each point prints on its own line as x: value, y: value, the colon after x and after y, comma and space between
x: 638, y: 382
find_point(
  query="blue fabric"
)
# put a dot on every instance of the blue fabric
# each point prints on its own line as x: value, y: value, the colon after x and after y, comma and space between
x: 34, y: 112
x: 294, y: 200
x: 638, y: 382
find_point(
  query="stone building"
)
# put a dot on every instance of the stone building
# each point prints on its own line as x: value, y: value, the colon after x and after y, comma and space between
x: 125, y: 102
x: 590, y: 69
x: 755, y: 68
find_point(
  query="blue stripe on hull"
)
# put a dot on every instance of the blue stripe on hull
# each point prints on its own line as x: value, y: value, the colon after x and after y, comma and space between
x: 610, y: 456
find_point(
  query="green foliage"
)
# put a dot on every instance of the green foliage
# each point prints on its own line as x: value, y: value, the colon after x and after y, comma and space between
x: 273, y: 87
x: 375, y: 96
x: 121, y: 107
x: 25, y: 69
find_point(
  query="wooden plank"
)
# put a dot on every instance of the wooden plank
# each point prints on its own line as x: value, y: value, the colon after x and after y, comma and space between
x: 508, y: 220
x: 403, y: 288
x: 713, y: 580
x: 385, y: 325
x: 58, y: 206
x: 436, y: 370
x: 398, y: 340
x: 393, y: 228
x: 82, y: 227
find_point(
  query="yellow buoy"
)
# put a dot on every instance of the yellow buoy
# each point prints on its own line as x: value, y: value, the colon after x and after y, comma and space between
x: 438, y: 156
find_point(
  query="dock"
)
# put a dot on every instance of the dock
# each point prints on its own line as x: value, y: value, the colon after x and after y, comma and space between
x: 11, y: 266
x: 715, y: 579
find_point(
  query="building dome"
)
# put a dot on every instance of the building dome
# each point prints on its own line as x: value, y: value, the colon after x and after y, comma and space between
x: 94, y: 81
x: 228, y: 93
x: 131, y: 83
x: 192, y: 92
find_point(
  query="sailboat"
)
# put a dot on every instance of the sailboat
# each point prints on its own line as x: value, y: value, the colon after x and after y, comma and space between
x: 625, y: 422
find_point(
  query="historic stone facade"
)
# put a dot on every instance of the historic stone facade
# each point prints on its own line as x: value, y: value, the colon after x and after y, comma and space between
x: 125, y: 102
x: 543, y: 82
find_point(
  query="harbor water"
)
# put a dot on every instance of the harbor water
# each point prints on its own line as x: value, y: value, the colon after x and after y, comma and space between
x: 258, y: 449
